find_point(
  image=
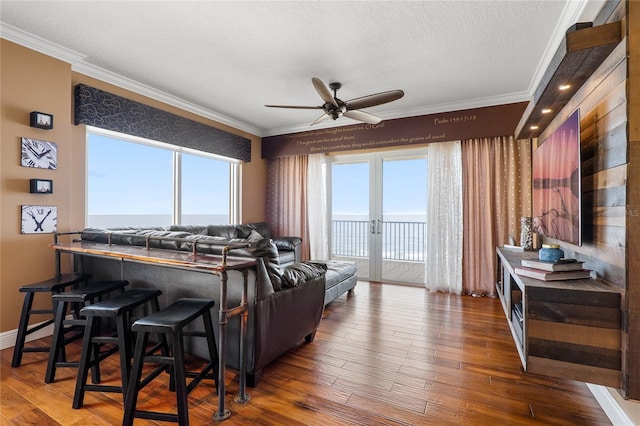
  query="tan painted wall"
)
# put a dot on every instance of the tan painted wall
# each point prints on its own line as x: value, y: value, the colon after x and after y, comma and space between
x: 31, y: 81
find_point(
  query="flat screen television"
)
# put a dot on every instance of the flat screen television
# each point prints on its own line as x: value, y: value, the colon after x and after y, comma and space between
x: 556, y: 184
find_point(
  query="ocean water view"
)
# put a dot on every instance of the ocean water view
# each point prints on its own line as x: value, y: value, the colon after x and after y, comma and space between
x: 111, y: 220
x: 403, y: 235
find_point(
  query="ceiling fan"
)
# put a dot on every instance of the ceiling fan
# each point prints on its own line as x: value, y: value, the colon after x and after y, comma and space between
x: 335, y: 108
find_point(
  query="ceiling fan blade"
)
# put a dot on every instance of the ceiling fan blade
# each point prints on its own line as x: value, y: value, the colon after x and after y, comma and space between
x: 294, y: 106
x: 373, y: 100
x: 321, y: 118
x: 362, y: 116
x: 323, y: 91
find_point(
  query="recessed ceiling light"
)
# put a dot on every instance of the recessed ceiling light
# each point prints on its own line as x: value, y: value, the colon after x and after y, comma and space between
x: 546, y: 110
x: 534, y: 127
x: 564, y: 86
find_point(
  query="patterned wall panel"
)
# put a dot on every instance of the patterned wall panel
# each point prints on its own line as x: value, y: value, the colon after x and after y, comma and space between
x: 105, y: 110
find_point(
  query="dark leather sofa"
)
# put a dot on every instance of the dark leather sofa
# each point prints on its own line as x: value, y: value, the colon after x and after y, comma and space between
x: 285, y: 302
x: 210, y: 239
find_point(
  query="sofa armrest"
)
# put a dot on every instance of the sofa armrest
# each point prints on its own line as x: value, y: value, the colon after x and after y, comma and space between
x: 290, y: 244
x: 285, y: 318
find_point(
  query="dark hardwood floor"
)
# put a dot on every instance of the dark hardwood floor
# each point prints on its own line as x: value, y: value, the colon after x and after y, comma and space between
x: 386, y: 355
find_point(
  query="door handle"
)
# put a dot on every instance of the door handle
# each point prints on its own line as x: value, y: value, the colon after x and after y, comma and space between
x: 372, y: 226
x: 379, y: 226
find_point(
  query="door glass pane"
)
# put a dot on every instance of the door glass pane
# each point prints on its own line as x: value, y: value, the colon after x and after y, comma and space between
x: 350, y: 214
x: 205, y: 190
x: 404, y: 205
x: 128, y: 184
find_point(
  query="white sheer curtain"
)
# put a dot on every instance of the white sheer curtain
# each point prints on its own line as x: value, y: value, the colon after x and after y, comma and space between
x: 444, y: 218
x: 317, y: 214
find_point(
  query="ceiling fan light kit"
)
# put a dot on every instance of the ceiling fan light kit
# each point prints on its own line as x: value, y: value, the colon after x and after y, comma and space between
x: 335, y: 108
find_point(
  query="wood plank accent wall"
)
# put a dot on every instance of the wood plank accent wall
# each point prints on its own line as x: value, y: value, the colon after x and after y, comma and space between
x: 608, y: 206
x: 632, y: 356
x: 603, y: 123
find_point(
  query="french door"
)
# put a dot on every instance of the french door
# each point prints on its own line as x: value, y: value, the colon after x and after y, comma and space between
x: 378, y: 207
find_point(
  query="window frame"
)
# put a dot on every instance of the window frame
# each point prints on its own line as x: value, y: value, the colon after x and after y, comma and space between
x: 235, y: 169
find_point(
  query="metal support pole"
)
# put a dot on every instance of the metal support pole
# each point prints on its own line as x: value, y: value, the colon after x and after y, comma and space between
x: 222, y: 413
x: 57, y: 256
x: 243, y: 396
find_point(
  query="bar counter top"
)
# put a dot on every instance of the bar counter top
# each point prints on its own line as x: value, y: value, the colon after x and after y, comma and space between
x: 158, y: 256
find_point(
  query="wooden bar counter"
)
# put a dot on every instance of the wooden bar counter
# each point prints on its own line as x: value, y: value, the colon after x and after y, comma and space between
x: 217, y: 266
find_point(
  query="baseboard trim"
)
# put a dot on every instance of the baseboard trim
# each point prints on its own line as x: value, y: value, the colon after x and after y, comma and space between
x: 610, y: 406
x: 8, y: 338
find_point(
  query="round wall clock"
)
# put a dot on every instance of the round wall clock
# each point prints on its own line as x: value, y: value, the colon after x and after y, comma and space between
x: 39, y: 154
x: 39, y: 219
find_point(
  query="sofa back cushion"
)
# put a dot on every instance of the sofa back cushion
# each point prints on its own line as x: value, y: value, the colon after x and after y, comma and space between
x: 225, y: 231
x: 207, y: 244
x: 135, y: 237
x: 158, y: 239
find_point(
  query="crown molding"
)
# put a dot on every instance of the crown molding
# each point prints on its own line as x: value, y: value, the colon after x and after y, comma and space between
x: 78, y: 64
x: 158, y: 95
x: 39, y: 44
x: 573, y: 11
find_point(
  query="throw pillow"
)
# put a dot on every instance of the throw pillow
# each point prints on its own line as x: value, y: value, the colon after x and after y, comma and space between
x: 268, y: 251
x: 243, y: 230
x: 254, y: 236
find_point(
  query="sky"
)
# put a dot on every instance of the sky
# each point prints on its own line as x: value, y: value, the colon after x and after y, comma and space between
x: 127, y: 178
x: 403, y: 187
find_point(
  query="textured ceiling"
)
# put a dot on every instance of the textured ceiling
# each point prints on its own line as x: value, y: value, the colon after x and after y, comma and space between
x: 226, y: 59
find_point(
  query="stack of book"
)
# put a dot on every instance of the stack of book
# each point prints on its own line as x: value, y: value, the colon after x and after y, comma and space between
x: 565, y: 269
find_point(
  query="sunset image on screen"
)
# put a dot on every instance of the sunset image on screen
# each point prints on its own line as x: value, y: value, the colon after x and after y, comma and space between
x: 556, y: 183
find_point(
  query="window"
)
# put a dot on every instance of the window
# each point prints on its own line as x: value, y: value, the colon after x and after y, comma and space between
x: 137, y: 182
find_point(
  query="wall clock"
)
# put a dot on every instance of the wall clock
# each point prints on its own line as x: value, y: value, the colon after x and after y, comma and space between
x: 39, y: 219
x: 39, y: 154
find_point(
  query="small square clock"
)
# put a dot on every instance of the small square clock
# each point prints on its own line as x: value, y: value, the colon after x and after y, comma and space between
x: 39, y: 219
x: 41, y: 186
x: 41, y: 120
x: 39, y: 154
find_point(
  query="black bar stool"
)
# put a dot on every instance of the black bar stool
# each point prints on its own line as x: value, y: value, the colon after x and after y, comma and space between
x: 76, y: 297
x: 170, y: 321
x: 52, y: 286
x: 121, y: 308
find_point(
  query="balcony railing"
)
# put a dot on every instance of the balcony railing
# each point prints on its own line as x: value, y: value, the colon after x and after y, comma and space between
x: 400, y: 240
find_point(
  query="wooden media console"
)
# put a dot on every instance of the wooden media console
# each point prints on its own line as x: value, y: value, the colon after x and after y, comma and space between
x: 567, y: 329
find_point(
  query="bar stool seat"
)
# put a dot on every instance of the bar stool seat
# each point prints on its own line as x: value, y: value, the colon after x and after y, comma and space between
x: 170, y: 321
x: 52, y: 286
x: 121, y: 308
x: 76, y: 297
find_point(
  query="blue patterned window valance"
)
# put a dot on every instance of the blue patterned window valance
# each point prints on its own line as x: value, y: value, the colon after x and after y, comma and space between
x: 105, y: 110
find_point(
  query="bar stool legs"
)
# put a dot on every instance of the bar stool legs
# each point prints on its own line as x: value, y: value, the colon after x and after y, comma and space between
x: 52, y: 286
x: 120, y: 307
x: 82, y: 296
x: 170, y: 322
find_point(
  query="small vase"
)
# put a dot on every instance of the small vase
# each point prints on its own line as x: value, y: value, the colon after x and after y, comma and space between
x: 550, y: 253
x: 526, y: 232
